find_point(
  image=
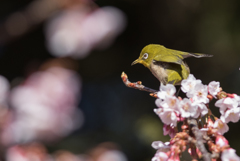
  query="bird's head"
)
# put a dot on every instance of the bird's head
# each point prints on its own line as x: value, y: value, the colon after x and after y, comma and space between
x: 147, y: 55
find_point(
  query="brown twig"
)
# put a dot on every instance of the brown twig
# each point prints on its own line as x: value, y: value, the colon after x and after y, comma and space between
x: 138, y: 85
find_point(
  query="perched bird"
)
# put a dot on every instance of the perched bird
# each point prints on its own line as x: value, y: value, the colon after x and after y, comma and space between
x: 166, y: 65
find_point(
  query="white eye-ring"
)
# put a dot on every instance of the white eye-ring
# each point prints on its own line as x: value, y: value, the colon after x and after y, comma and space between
x: 145, y: 55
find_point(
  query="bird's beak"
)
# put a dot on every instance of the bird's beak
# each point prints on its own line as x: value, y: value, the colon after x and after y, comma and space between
x: 135, y: 62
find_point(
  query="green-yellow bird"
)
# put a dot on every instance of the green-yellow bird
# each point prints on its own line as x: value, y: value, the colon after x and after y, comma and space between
x: 166, y: 65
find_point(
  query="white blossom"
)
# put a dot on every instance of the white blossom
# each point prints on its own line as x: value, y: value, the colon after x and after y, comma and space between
x: 221, y: 125
x: 187, y: 108
x: 160, y: 146
x: 232, y: 115
x: 226, y: 103
x: 168, y: 116
x: 166, y: 90
x: 199, y: 94
x: 213, y: 88
x: 171, y: 102
x: 189, y: 84
x: 158, y: 102
x: 229, y: 155
x: 201, y: 109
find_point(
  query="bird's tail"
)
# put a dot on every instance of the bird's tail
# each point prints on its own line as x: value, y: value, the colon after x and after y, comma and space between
x: 198, y: 55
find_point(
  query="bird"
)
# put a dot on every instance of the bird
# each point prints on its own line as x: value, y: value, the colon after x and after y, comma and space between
x: 167, y: 65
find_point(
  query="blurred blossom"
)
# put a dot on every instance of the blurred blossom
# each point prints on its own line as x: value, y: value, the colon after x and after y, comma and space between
x: 32, y: 152
x: 68, y: 156
x: 4, y: 89
x: 112, y: 155
x: 44, y: 107
x: 76, y: 32
x: 107, y: 151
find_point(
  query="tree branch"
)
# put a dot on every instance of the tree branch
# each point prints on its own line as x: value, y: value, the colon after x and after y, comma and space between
x: 199, y: 139
x: 138, y: 85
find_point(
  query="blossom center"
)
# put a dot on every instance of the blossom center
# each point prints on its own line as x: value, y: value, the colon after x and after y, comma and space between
x: 186, y: 107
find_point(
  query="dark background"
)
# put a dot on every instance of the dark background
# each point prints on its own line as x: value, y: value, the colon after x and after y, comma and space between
x: 122, y: 115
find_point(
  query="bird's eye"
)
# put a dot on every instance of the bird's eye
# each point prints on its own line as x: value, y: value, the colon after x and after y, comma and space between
x: 145, y: 55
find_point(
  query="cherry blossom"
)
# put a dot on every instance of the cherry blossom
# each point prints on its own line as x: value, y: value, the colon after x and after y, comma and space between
x: 169, y: 130
x: 213, y: 88
x: 226, y: 103
x: 229, y: 155
x: 221, y: 141
x: 187, y: 85
x: 170, y: 102
x: 166, y: 90
x: 199, y: 94
x: 160, y: 156
x: 160, y: 146
x: 168, y: 116
x: 232, y: 115
x: 221, y: 126
x: 201, y: 109
x: 187, y: 108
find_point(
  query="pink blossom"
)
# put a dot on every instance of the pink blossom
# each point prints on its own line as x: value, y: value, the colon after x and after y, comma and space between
x: 77, y: 31
x: 112, y: 155
x: 32, y: 152
x: 169, y: 130
x: 44, y: 107
x: 221, y: 141
x: 160, y: 156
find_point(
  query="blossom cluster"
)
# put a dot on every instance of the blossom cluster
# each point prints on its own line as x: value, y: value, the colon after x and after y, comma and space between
x: 172, y: 109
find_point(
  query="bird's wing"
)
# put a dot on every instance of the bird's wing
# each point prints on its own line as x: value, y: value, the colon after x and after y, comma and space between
x: 168, y: 58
